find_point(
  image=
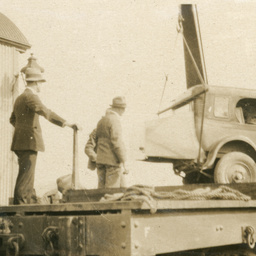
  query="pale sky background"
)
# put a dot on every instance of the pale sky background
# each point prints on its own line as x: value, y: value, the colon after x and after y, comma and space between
x: 96, y: 49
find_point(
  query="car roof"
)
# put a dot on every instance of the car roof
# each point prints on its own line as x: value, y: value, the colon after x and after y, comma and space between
x: 233, y: 91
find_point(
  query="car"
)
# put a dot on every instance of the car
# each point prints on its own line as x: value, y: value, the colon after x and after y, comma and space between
x: 214, y: 140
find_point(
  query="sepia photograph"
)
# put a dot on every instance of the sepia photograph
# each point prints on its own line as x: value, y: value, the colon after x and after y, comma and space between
x: 127, y: 128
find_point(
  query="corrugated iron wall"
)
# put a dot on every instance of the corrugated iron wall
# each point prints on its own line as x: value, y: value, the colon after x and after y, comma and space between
x: 8, y: 92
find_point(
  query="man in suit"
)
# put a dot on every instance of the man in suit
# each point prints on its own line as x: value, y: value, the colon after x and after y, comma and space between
x: 91, y: 151
x: 111, y: 153
x: 27, y: 138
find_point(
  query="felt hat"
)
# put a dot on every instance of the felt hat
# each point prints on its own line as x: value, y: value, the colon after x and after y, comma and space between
x: 118, y: 102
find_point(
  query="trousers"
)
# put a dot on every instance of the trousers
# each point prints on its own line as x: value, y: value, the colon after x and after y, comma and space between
x: 109, y: 176
x: 24, y: 192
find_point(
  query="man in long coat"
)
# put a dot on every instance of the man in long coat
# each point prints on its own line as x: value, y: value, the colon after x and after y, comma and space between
x: 111, y: 153
x: 27, y: 138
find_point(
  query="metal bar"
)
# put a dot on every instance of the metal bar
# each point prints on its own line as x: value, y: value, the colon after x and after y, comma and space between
x: 205, y: 79
x: 191, y: 94
x: 75, y: 173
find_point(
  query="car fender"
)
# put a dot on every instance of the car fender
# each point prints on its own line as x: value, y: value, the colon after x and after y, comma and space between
x: 212, y: 154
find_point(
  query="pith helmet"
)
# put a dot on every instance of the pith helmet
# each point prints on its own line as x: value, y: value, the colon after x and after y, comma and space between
x: 32, y: 64
x: 34, y: 75
x: 118, y: 102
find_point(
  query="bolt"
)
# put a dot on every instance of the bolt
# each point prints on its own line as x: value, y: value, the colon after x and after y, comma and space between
x: 239, y: 176
x: 123, y: 224
x: 80, y: 246
x: 219, y: 228
x: 21, y: 225
x: 81, y: 222
x: 136, y: 245
x: 136, y: 224
x: 123, y: 245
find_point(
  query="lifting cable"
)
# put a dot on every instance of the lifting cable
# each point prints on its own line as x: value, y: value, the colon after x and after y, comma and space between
x: 166, y: 79
x: 204, y: 96
x: 166, y: 75
x: 204, y: 80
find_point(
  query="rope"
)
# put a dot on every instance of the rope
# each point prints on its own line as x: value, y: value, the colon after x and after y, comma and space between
x: 23, y: 79
x: 14, y: 81
x: 148, y: 195
x: 165, y: 82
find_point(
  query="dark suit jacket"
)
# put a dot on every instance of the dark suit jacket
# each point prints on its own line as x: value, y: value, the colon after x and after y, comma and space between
x: 110, y: 146
x: 25, y: 119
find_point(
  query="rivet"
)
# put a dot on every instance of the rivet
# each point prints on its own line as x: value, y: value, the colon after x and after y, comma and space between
x: 136, y: 224
x: 136, y: 245
x: 123, y: 245
x: 219, y: 228
x: 123, y: 224
x: 21, y: 225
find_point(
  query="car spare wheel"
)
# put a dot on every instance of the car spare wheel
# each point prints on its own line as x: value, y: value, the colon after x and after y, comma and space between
x: 235, y: 167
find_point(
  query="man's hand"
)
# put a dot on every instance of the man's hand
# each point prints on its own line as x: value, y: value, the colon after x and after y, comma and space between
x: 73, y: 126
x: 125, y: 170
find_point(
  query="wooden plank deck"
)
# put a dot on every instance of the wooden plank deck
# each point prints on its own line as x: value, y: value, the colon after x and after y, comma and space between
x: 88, y: 201
x: 248, y: 189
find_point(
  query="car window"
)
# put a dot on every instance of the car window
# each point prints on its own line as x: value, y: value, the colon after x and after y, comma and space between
x: 221, y: 106
x: 248, y: 106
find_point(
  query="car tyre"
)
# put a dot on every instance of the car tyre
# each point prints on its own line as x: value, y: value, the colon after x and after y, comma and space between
x: 235, y: 167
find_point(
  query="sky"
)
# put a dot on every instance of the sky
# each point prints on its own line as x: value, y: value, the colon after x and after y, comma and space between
x: 95, y: 50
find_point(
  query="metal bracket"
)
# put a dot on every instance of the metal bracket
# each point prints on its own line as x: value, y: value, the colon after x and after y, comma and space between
x: 50, y: 236
x: 248, y: 236
x: 13, y: 242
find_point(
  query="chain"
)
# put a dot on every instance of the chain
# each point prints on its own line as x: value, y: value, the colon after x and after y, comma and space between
x: 13, y: 246
x: 49, y: 235
x: 249, y: 231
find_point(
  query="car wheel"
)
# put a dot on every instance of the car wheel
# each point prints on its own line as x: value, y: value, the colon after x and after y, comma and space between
x: 235, y: 167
